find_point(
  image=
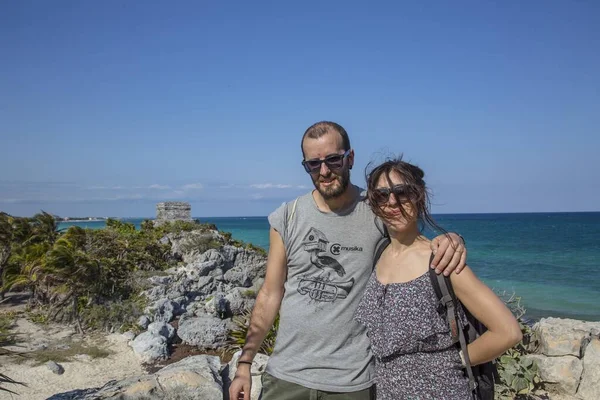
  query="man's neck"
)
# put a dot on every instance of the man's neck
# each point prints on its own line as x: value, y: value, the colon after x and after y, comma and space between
x: 338, y: 203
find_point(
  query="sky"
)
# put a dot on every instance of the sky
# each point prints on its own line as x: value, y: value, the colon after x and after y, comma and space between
x: 107, y: 108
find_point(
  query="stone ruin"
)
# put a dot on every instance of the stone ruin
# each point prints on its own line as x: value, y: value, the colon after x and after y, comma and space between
x: 173, y: 211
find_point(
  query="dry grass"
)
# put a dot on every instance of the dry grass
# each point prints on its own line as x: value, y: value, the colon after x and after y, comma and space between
x: 61, y: 354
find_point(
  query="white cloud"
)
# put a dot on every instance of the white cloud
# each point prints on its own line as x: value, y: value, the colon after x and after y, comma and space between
x: 175, y: 194
x: 97, y: 187
x: 159, y: 187
x: 127, y: 197
x: 257, y: 196
x: 303, y: 187
x: 270, y: 186
x: 192, y: 186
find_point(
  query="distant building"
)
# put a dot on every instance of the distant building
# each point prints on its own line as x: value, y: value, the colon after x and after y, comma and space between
x: 173, y: 211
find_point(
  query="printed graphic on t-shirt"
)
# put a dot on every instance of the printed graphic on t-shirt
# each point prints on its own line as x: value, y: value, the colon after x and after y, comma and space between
x: 326, y: 284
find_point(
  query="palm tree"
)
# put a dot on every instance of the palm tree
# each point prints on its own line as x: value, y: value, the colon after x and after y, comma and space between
x: 26, y: 271
x: 44, y: 228
x: 74, y: 274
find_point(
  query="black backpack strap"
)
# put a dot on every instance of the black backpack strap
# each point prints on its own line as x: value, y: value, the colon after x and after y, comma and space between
x: 448, y: 304
x: 447, y: 301
x: 379, y: 248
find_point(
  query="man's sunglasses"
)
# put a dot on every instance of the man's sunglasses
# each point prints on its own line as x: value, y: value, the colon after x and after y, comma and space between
x: 334, y: 161
x: 382, y: 195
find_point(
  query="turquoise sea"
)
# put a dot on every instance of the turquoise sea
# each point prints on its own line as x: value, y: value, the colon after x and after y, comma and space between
x: 550, y: 260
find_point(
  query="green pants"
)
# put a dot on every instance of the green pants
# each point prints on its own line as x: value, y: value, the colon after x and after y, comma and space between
x: 277, y: 389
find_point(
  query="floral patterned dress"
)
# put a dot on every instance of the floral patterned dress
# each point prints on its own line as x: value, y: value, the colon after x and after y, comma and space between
x: 411, y: 342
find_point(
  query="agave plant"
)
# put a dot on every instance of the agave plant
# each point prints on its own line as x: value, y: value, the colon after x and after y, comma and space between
x: 237, y: 337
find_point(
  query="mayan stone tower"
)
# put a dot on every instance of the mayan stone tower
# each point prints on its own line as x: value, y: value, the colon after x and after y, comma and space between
x: 173, y: 211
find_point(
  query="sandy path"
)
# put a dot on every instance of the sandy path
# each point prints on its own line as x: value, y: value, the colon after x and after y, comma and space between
x: 79, y: 374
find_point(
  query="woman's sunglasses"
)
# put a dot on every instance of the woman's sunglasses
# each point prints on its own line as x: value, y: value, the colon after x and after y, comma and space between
x: 335, y: 161
x: 382, y: 195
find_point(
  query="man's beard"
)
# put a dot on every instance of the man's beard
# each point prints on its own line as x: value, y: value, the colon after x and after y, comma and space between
x: 335, y: 190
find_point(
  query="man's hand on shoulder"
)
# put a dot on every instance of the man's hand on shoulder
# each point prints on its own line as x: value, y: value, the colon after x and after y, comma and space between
x: 450, y: 253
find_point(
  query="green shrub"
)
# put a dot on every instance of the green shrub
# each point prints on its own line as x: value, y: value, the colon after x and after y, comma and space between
x: 239, y: 243
x: 519, y: 375
x: 257, y: 249
x: 38, y: 316
x: 121, y: 315
x: 200, y: 244
x: 7, y: 320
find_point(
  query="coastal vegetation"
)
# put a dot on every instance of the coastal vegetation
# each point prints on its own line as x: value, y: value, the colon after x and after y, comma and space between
x: 92, y: 278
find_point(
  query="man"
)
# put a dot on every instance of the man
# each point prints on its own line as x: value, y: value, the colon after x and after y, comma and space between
x: 320, y: 259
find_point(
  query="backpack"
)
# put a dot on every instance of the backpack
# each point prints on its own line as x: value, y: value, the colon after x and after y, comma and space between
x: 481, y: 377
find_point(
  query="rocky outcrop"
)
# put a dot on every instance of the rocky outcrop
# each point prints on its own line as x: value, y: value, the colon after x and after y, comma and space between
x: 568, y: 357
x: 196, y: 377
x: 205, y: 292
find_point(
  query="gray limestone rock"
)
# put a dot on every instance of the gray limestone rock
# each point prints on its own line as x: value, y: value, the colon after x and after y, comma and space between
x: 204, y: 268
x: 143, y: 322
x: 559, y: 374
x: 589, y: 388
x: 164, y: 310
x: 163, y: 329
x: 160, y: 280
x: 55, y: 367
x: 150, y: 347
x: 156, y: 293
x: 239, y: 300
x: 238, y: 277
x: 560, y: 337
x: 129, y: 335
x: 204, y: 331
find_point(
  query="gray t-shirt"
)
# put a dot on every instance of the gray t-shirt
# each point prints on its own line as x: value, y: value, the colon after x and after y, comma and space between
x: 329, y: 259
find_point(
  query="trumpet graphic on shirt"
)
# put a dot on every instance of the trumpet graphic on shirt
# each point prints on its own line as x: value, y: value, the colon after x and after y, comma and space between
x: 322, y: 287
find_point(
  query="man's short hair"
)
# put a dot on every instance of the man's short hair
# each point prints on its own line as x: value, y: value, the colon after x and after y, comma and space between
x: 319, y: 129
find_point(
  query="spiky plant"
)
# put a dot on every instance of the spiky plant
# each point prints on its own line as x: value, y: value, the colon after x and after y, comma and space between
x: 237, y: 337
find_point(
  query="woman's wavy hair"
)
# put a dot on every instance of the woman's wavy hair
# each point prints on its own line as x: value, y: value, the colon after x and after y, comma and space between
x: 417, y: 192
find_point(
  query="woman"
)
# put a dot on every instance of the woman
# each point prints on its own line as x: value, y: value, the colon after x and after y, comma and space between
x: 411, y: 341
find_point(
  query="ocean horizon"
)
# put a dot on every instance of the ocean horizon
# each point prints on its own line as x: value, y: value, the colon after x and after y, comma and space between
x: 550, y: 260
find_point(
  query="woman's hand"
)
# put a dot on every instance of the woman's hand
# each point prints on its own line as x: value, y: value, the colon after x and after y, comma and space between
x: 450, y: 253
